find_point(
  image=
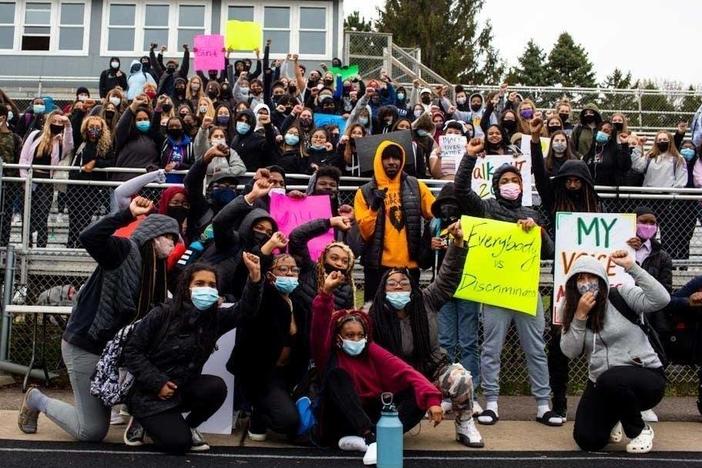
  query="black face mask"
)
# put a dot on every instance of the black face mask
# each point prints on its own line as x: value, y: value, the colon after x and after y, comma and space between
x: 449, y: 214
x: 662, y: 146
x: 260, y: 238
x: 175, y: 133
x: 180, y: 91
x: 212, y: 95
x: 328, y: 82
x: 178, y: 213
x: 564, y: 117
x: 109, y: 115
x: 618, y: 126
x: 509, y: 125
x: 426, y: 100
x: 56, y: 129
x: 167, y: 107
x: 554, y: 128
x: 475, y: 107
x: 170, y: 70
x: 588, y: 119
x: 329, y: 269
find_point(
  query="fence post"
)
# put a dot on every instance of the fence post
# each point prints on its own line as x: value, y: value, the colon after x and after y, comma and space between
x: 27, y: 210
x: 6, y: 299
x: 638, y: 98
x: 347, y: 40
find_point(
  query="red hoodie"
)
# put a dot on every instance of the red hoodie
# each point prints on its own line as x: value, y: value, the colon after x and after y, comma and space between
x: 373, y: 372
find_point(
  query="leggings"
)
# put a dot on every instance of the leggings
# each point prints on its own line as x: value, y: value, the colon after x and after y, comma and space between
x: 169, y: 430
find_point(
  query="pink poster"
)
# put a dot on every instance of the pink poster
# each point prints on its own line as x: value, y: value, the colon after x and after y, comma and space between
x: 290, y: 213
x: 209, y: 52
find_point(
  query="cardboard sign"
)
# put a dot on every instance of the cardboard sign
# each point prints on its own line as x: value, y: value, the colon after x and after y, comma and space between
x: 290, y: 213
x: 485, y: 167
x: 321, y: 120
x: 209, y: 52
x: 366, y: 147
x: 453, y: 148
x: 244, y: 35
x: 503, y: 264
x: 595, y: 234
x: 526, y: 145
x: 221, y: 422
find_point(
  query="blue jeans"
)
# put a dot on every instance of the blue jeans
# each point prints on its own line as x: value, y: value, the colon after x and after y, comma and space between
x: 458, y: 334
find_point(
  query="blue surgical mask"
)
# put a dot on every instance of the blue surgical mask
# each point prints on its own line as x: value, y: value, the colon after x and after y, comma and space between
x: 244, y: 91
x: 363, y: 120
x: 39, y: 108
x: 398, y: 299
x: 203, y: 297
x: 292, y: 139
x: 400, y: 96
x: 143, y: 126
x: 353, y: 348
x: 601, y: 137
x: 687, y: 153
x: 242, y: 128
x: 222, y: 196
x: 318, y: 147
x: 286, y: 284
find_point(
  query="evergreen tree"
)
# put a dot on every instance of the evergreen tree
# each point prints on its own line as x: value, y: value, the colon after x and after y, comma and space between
x: 531, y: 70
x: 689, y: 104
x: 619, y: 102
x: 453, y: 43
x: 569, y: 65
x: 356, y: 22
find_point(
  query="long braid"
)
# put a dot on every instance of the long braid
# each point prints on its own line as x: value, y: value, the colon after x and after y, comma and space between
x: 563, y: 202
x: 348, y: 274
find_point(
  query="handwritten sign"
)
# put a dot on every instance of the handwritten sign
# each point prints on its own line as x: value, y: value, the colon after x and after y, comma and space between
x: 453, y: 147
x: 526, y: 146
x: 503, y: 264
x: 244, y: 35
x: 209, y: 52
x: 485, y: 168
x: 346, y: 72
x: 595, y: 234
x: 290, y: 213
x: 366, y: 147
x: 321, y: 120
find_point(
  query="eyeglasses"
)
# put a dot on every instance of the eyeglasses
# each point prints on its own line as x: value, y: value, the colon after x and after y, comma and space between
x: 286, y: 269
x: 402, y: 283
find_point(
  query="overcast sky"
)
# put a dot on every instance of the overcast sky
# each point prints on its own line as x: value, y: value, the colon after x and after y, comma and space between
x: 651, y: 38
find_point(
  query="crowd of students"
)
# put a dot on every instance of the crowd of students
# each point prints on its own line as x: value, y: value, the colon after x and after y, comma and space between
x: 206, y: 257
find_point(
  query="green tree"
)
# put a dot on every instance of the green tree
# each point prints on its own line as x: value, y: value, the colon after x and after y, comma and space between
x: 531, y: 70
x: 569, y: 65
x: 453, y: 42
x: 618, y: 102
x: 356, y: 22
x: 665, y: 116
x: 690, y: 103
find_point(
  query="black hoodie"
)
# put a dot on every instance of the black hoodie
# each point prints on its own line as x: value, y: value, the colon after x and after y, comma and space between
x: 110, y: 79
x: 255, y: 149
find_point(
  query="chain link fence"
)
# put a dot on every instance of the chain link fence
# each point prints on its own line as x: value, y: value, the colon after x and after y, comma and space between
x: 48, y: 269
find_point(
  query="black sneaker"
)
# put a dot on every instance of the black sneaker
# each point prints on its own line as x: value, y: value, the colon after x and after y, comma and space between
x: 134, y: 433
x: 199, y: 443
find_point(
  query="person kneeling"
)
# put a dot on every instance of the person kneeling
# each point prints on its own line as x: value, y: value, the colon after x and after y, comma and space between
x: 167, y: 350
x: 356, y: 371
x: 625, y: 373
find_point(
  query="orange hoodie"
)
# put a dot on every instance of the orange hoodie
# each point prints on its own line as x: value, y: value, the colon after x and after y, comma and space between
x: 395, y: 251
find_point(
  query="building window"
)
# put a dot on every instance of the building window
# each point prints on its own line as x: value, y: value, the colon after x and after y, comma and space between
x: 191, y: 23
x: 313, y: 31
x: 37, y: 26
x: 7, y: 25
x: 155, y: 25
x: 72, y: 26
x: 121, y: 27
x: 241, y: 13
x: 276, y: 27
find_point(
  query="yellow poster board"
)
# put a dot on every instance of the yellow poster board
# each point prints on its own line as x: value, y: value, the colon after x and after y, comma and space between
x: 243, y: 35
x: 503, y: 264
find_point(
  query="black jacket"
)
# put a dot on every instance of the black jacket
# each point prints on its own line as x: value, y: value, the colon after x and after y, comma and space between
x: 109, y: 80
x: 609, y: 163
x: 659, y: 264
x: 255, y: 149
x: 133, y: 148
x: 172, y: 344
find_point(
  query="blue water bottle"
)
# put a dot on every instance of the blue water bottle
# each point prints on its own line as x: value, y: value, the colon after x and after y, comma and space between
x: 389, y: 435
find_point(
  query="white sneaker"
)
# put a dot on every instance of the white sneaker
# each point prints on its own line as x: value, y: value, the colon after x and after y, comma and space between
x: 199, y: 444
x: 477, y: 409
x: 371, y: 456
x: 617, y: 433
x: 643, y: 443
x: 467, y: 434
x: 116, y: 419
x: 649, y: 416
x: 446, y: 406
x: 257, y: 437
x: 353, y: 444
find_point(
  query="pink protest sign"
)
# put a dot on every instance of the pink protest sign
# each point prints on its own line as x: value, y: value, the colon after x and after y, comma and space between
x: 209, y: 52
x: 290, y: 213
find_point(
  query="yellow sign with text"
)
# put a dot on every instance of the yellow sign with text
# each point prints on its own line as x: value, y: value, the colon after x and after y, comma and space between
x: 243, y: 35
x: 503, y: 264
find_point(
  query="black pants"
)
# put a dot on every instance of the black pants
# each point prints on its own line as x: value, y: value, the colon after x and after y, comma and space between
x: 620, y: 394
x: 11, y: 196
x: 169, y: 430
x: 372, y: 277
x: 558, y: 367
x: 345, y: 414
x: 82, y: 201
x: 42, y: 197
x: 273, y: 407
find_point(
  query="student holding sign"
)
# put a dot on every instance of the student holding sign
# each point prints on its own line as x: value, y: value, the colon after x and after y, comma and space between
x: 446, y: 157
x: 507, y: 206
x: 625, y: 373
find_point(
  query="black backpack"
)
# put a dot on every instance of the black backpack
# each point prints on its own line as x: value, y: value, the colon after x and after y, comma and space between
x: 641, y: 321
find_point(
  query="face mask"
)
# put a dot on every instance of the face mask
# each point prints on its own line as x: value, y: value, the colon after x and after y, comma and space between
x: 363, y: 121
x: 318, y: 147
x: 564, y: 117
x: 202, y: 109
x: 212, y: 95
x: 559, y: 148
x: 306, y: 123
x: 398, y: 299
x: 150, y: 93
x: 178, y: 213
x: 242, y: 128
x: 330, y: 269
x: 223, y: 120
x: 602, y: 137
x: 195, y: 87
x: 218, y: 141
x: 222, y: 196
x: 422, y: 133
x: 109, y: 115
x: 460, y: 101
x: 203, y: 297
x: 163, y: 245
x: 38, y: 108
x: 244, y: 91
x: 510, y: 191
x: 426, y: 100
x: 115, y: 101
x: 83, y: 97
x: 94, y: 133
x: 554, y: 128
x: 687, y: 153
x: 646, y: 231
x: 114, y: 65
x: 618, y: 126
x: 588, y: 119
x: 475, y: 107
x: 56, y: 129
x: 400, y: 96
x: 278, y: 190
x: 291, y: 139
x: 286, y: 284
x: 175, y: 133
x: 526, y: 113
x: 449, y: 213
x: 662, y: 146
x: 167, y: 107
x: 417, y: 113
x: 509, y: 125
x: 11, y: 115
x: 180, y: 91
x: 388, y: 122
x: 353, y: 348
x: 588, y: 286
x: 143, y: 126
x: 170, y: 70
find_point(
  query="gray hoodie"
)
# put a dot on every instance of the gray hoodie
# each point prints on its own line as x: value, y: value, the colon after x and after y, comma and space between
x: 620, y: 342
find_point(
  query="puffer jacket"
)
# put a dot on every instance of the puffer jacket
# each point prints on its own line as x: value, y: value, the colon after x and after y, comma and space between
x: 659, y: 264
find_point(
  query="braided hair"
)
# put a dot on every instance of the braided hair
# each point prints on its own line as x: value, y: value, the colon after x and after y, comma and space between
x: 386, y: 324
x: 586, y: 201
x: 348, y: 274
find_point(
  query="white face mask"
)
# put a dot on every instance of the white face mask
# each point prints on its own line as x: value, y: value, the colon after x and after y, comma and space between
x: 82, y: 97
x: 163, y: 245
x: 279, y: 191
x: 115, y: 101
x: 219, y: 141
